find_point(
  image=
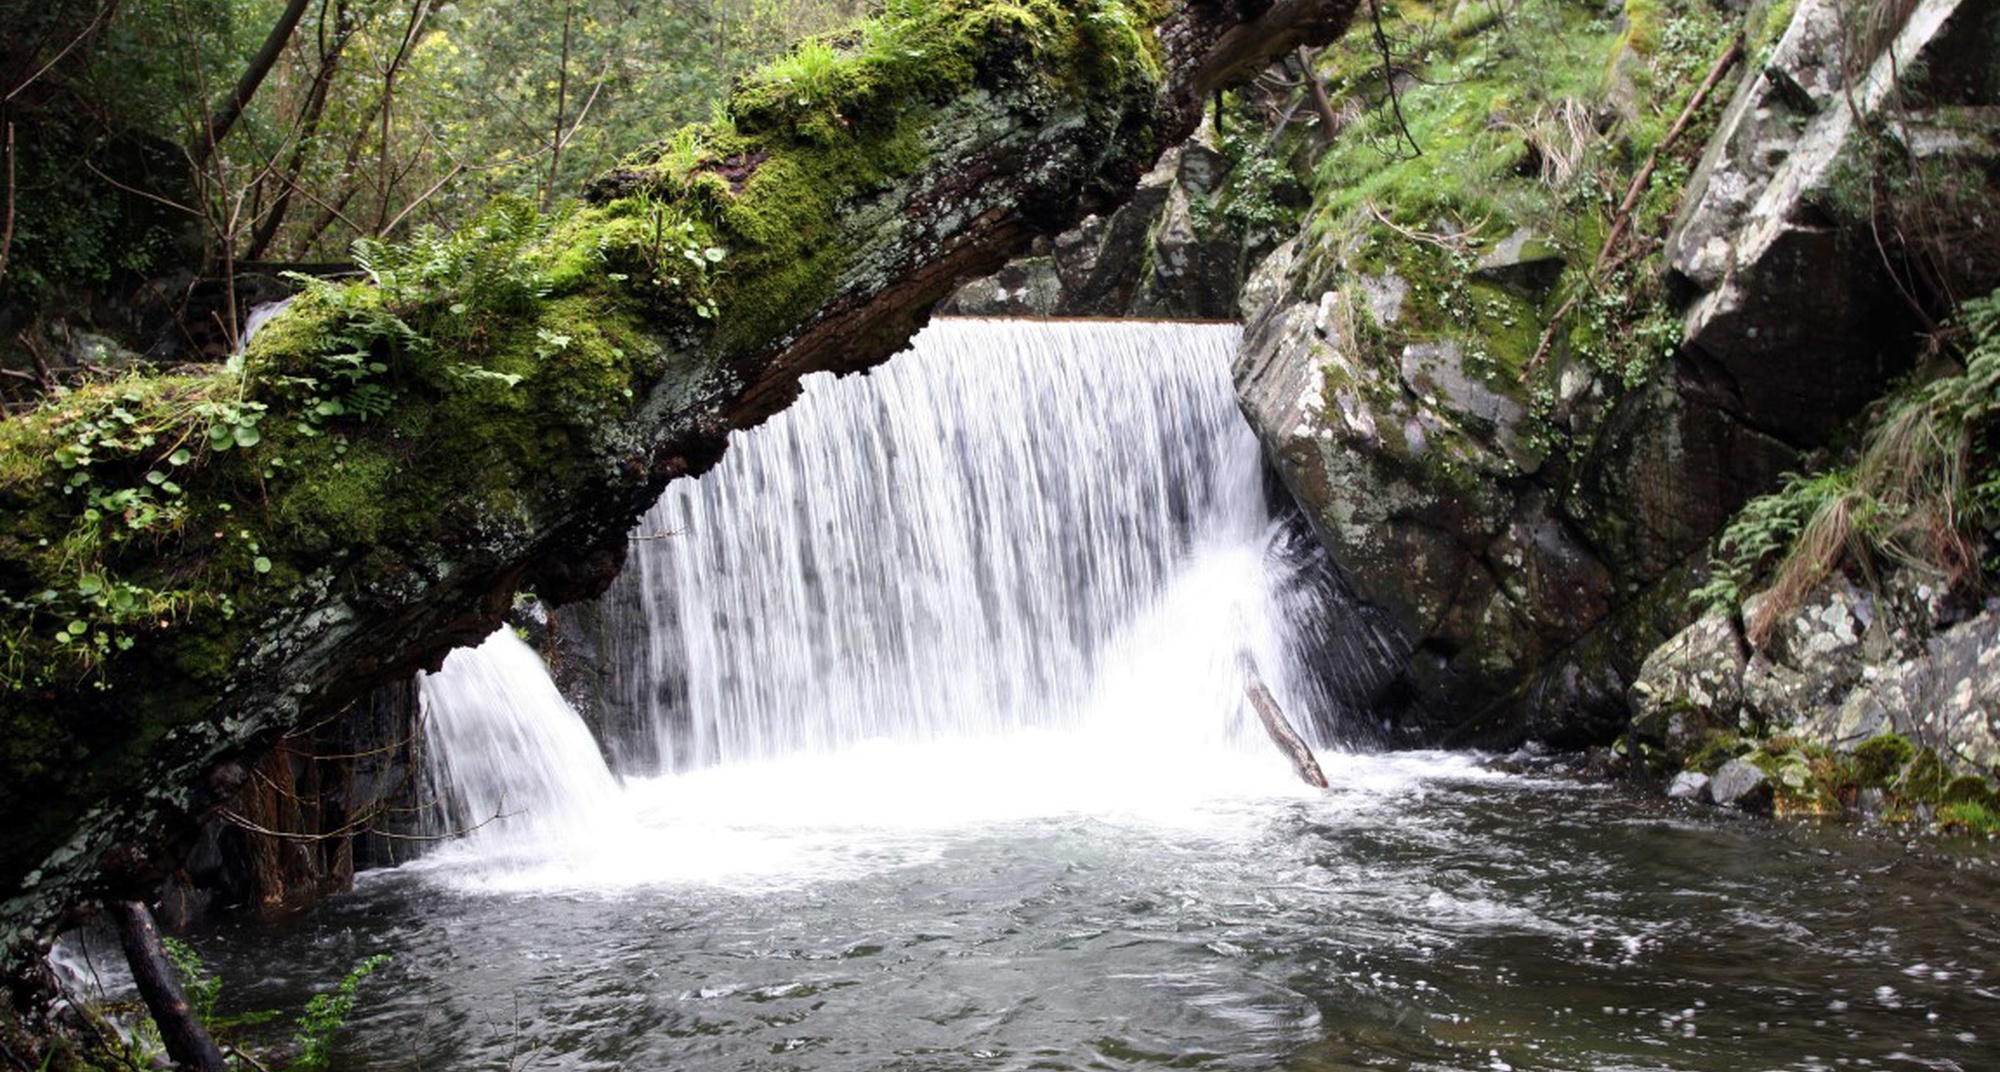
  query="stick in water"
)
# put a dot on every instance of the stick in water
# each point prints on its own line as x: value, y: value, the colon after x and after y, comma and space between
x: 1282, y: 734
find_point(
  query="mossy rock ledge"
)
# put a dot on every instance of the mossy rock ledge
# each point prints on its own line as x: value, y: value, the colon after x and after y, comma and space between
x: 1517, y: 419
x: 192, y: 565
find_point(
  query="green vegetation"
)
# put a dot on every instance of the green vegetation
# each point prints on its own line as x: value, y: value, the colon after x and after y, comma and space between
x: 314, y: 1029
x: 189, y: 559
x: 493, y: 351
x: 327, y: 1013
x: 1528, y: 122
x: 1814, y: 780
x: 1922, y: 495
x: 147, y: 139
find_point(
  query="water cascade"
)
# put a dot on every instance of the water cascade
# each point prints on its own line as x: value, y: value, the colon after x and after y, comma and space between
x: 1016, y: 571
x: 1000, y: 530
x: 928, y: 750
x: 507, y: 756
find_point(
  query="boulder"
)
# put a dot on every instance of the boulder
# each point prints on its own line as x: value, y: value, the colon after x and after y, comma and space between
x: 1741, y: 785
x: 1690, y: 686
x: 1689, y: 785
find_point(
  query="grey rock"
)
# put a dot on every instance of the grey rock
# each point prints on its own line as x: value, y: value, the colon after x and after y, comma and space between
x: 1523, y: 261
x: 1689, y: 684
x: 1689, y: 785
x: 1783, y: 285
x: 1740, y: 785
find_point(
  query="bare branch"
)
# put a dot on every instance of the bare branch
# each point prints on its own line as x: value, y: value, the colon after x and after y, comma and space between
x: 1389, y: 77
x: 7, y: 231
x: 103, y: 14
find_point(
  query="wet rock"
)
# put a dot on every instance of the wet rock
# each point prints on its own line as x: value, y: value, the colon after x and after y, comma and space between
x: 1689, y: 785
x: 1690, y: 686
x: 1153, y: 256
x: 1740, y: 785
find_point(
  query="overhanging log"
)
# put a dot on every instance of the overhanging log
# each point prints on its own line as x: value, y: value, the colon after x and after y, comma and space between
x: 242, y: 551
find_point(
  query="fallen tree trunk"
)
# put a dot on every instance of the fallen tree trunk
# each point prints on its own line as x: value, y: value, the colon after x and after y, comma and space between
x: 187, y: 1040
x: 190, y: 565
x: 1273, y: 717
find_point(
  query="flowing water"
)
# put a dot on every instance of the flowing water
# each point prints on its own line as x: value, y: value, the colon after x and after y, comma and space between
x: 929, y: 751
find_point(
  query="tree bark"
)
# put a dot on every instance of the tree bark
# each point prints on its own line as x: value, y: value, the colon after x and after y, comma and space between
x: 1273, y: 717
x: 225, y: 117
x: 187, y: 1040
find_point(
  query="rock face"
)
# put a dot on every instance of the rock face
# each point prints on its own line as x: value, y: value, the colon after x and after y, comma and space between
x: 519, y: 455
x: 1797, y: 314
x: 1152, y: 257
x: 1847, y: 666
x: 1528, y: 515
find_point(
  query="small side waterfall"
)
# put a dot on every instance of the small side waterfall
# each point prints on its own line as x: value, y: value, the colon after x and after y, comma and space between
x: 506, y: 754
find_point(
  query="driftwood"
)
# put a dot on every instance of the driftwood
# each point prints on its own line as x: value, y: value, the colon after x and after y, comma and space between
x: 187, y: 1040
x: 1268, y: 712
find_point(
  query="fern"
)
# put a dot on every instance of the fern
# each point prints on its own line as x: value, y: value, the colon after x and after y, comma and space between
x: 327, y: 1013
x: 1924, y: 494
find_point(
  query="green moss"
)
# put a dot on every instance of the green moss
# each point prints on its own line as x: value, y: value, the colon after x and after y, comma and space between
x: 1718, y: 750
x: 1644, y: 25
x: 1766, y: 31
x: 1879, y: 761
x: 1925, y: 778
x: 415, y: 439
x: 1969, y: 789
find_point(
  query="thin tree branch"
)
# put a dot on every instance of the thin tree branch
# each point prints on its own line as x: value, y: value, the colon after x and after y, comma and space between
x: 103, y: 14
x: 7, y: 231
x: 562, y: 105
x: 1644, y: 178
x: 455, y: 172
x: 1389, y: 77
x: 1329, y: 121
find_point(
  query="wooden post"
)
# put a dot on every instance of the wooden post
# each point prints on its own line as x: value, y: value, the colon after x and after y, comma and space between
x: 1273, y: 718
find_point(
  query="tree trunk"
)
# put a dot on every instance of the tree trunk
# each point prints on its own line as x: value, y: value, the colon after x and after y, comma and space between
x: 187, y: 1040
x: 226, y: 116
x: 836, y: 231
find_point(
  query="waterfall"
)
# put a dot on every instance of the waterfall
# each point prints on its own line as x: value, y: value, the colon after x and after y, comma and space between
x: 1024, y: 554
x: 506, y: 755
x: 998, y: 530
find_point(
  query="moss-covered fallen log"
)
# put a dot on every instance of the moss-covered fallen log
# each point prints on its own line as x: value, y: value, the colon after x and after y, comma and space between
x: 194, y: 562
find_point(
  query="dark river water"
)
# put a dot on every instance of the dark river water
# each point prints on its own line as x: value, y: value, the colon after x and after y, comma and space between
x: 1426, y: 914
